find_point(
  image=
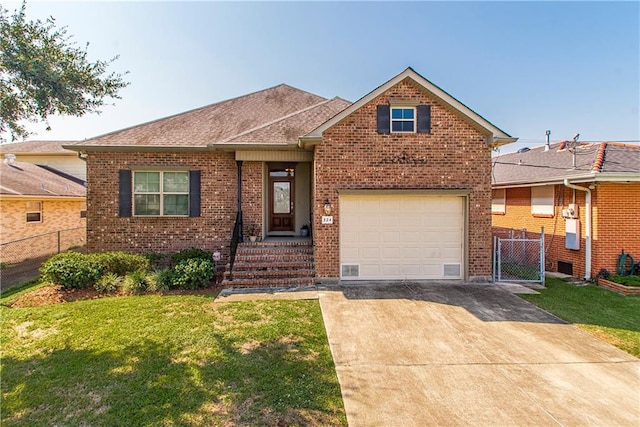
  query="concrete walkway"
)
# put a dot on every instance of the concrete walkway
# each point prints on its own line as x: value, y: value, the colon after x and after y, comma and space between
x: 443, y: 354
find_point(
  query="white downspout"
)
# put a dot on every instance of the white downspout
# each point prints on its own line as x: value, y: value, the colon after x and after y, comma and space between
x: 587, y: 237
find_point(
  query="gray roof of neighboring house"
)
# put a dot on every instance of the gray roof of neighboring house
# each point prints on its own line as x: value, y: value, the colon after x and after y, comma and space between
x: 26, y: 179
x: 37, y: 147
x: 598, y: 161
x: 277, y: 115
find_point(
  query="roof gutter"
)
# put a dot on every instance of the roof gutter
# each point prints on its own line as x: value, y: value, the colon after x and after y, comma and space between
x: 587, y: 237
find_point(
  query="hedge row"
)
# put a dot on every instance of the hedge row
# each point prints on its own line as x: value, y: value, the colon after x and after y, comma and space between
x: 112, y: 272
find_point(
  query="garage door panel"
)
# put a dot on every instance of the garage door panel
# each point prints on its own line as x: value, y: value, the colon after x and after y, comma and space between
x: 401, y: 236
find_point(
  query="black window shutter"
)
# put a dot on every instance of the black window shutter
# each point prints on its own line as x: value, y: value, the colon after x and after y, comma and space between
x: 384, y: 119
x: 424, y: 118
x: 124, y: 207
x: 194, y: 193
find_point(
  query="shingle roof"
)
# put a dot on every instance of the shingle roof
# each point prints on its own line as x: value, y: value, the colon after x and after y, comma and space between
x: 37, y: 147
x: 600, y: 159
x: 26, y: 179
x: 222, y: 122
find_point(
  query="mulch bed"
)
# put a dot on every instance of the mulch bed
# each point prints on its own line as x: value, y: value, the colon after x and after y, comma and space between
x: 56, y: 294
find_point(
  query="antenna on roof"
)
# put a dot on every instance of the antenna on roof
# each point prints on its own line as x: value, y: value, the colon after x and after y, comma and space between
x: 572, y: 149
x: 548, y: 144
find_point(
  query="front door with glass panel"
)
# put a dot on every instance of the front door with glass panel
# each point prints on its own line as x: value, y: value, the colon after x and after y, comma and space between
x: 281, y: 201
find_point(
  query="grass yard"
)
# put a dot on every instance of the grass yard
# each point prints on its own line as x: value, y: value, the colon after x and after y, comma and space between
x: 166, y: 361
x: 609, y: 316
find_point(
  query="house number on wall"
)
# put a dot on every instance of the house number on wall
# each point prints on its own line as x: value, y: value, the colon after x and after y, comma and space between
x: 327, y: 219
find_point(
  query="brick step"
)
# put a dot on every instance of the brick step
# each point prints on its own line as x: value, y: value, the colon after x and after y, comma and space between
x: 271, y: 258
x: 268, y: 274
x: 271, y: 244
x: 274, y: 251
x: 282, y: 265
x: 270, y: 283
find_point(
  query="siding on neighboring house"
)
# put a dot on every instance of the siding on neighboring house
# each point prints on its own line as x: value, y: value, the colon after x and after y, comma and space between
x: 71, y: 165
x: 454, y: 155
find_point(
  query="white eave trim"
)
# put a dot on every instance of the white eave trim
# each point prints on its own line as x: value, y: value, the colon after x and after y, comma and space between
x: 595, y: 177
x: 499, y: 136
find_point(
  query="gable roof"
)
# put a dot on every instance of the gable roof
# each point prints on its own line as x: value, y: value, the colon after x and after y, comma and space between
x: 26, y: 179
x: 499, y: 137
x: 223, y: 122
x: 600, y: 161
x: 38, y: 148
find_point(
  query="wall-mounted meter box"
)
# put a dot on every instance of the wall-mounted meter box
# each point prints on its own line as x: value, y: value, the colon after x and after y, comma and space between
x: 572, y: 234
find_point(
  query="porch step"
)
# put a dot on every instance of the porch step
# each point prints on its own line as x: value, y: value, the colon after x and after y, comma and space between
x: 272, y: 264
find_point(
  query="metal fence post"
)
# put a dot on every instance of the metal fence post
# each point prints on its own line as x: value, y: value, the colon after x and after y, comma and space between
x: 542, y: 260
x: 494, y: 260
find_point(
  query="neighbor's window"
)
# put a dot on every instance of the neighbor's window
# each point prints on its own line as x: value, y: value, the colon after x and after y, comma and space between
x: 161, y: 193
x: 542, y: 200
x: 403, y: 119
x: 34, y: 211
x: 498, y: 201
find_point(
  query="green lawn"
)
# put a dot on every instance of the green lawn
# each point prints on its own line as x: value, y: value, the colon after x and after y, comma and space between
x: 168, y: 360
x: 607, y: 315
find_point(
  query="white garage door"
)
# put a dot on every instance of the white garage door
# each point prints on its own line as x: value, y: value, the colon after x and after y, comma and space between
x: 401, y: 237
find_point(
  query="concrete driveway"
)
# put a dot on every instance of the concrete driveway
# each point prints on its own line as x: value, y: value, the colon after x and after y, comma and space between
x: 446, y: 354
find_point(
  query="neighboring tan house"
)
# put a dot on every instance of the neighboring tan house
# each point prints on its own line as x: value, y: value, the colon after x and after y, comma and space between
x: 394, y: 186
x: 585, y: 195
x: 49, y: 154
x: 42, y: 212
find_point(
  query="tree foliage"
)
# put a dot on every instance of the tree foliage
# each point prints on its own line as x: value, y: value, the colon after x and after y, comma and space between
x: 43, y: 73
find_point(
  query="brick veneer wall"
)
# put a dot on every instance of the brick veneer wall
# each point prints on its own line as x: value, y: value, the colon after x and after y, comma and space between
x: 354, y: 156
x: 212, y: 230
x: 615, y: 225
x: 57, y: 215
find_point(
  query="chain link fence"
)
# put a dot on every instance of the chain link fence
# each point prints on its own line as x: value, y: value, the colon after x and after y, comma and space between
x: 518, y: 256
x: 42, y: 245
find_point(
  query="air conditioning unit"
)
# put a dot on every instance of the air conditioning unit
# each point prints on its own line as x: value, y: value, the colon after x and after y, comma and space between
x: 571, y: 212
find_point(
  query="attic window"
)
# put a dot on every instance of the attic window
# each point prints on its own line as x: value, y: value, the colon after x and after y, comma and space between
x: 34, y: 211
x: 403, y: 119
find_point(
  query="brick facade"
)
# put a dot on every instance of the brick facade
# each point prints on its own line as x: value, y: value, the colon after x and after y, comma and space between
x: 57, y: 215
x: 106, y: 230
x: 354, y: 156
x: 614, y: 224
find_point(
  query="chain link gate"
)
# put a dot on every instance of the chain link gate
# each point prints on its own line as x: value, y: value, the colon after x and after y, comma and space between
x: 518, y: 259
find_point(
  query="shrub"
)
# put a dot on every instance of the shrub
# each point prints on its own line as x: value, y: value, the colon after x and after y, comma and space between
x: 135, y: 283
x: 109, y: 283
x: 159, y: 281
x: 191, y: 253
x: 72, y: 270
x: 122, y: 263
x: 157, y: 259
x: 626, y: 280
x: 193, y: 273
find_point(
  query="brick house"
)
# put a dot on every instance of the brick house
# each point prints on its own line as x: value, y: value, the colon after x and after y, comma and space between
x: 585, y: 195
x: 394, y: 186
x: 37, y: 208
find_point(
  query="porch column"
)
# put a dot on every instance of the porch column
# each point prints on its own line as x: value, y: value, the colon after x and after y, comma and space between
x: 239, y: 207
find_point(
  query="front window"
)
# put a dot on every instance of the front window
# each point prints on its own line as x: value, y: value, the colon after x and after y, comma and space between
x: 34, y: 211
x: 403, y: 119
x: 161, y: 193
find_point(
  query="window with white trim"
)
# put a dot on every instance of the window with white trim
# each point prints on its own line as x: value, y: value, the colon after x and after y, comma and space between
x: 34, y: 212
x: 498, y: 201
x: 403, y: 119
x: 160, y: 193
x: 542, y: 200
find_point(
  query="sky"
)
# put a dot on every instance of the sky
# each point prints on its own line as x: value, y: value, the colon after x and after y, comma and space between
x: 527, y: 67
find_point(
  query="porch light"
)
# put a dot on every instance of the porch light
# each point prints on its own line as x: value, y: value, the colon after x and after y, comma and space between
x: 327, y: 207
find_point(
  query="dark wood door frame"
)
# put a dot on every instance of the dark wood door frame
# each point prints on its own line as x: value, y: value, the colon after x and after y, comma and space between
x: 279, y: 220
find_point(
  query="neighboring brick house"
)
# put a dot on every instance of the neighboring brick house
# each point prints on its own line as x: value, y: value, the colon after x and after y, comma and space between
x: 394, y: 186
x: 585, y: 195
x: 36, y: 207
x: 49, y: 154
